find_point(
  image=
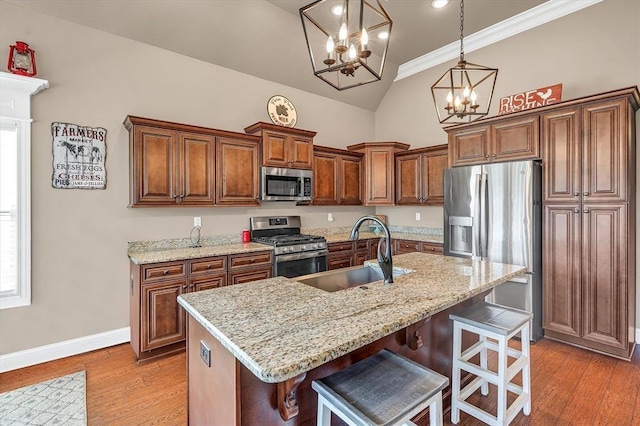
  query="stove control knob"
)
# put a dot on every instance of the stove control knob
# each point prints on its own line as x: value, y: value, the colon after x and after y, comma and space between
x: 303, y: 247
x: 284, y: 249
x: 314, y: 245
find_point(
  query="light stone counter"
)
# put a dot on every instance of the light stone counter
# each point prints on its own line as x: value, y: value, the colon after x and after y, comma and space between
x: 279, y: 328
x: 437, y: 239
x: 183, y: 253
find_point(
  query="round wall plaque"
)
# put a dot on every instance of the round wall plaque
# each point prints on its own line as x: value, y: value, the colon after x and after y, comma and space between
x: 281, y: 111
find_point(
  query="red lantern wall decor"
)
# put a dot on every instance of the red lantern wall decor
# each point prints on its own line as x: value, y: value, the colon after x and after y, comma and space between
x: 22, y: 60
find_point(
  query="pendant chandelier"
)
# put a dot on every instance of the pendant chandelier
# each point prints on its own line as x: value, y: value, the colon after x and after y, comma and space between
x: 347, y: 40
x: 464, y: 93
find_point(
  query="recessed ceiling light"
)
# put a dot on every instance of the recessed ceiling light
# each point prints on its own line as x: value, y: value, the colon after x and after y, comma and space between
x: 337, y: 9
x: 383, y: 35
x: 437, y: 4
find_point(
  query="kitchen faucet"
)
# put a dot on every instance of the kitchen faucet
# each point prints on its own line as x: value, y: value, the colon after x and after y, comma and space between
x: 385, y: 262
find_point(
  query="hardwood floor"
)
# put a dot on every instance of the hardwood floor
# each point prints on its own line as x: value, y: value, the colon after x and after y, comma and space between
x: 570, y: 386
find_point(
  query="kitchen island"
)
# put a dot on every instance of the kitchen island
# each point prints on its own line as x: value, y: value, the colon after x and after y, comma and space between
x: 254, y: 349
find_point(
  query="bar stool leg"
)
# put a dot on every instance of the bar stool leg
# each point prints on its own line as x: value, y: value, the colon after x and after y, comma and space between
x: 526, y: 370
x: 455, y: 374
x: 324, y: 412
x: 484, y: 388
x: 502, y: 378
x: 435, y: 411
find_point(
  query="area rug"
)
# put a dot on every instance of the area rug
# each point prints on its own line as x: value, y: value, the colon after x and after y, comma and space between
x: 60, y: 401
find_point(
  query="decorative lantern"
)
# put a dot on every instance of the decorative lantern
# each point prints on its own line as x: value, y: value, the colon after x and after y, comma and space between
x: 22, y: 60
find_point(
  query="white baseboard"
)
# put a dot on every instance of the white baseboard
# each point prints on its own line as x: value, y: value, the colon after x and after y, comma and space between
x: 41, y: 354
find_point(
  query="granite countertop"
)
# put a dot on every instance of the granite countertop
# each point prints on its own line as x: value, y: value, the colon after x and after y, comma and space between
x: 144, y: 252
x: 184, y: 253
x: 279, y: 328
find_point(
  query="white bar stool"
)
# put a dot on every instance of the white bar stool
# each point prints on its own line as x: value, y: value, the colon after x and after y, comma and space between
x: 499, y: 323
x: 384, y: 389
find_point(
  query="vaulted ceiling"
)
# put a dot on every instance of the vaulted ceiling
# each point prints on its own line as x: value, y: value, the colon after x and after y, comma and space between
x: 264, y: 38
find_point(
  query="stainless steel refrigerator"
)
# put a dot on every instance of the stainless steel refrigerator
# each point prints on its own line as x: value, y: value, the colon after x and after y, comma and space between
x: 494, y: 212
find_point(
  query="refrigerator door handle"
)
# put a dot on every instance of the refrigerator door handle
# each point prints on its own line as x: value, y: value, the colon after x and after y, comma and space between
x: 484, y: 217
x: 476, y: 248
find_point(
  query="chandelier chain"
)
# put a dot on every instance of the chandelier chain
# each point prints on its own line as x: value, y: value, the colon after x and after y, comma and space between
x: 461, y: 30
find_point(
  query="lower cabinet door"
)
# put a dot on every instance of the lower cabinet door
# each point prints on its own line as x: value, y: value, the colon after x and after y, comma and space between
x: 163, y: 320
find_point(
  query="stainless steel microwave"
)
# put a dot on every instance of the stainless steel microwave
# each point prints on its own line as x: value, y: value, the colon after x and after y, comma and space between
x: 280, y: 184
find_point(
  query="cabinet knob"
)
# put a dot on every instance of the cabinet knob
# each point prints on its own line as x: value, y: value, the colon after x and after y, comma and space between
x: 576, y: 210
x: 576, y: 194
x: 433, y: 249
x: 208, y: 266
x: 494, y: 155
x: 586, y: 210
x: 165, y: 272
x: 486, y: 156
x: 586, y: 194
x: 174, y: 196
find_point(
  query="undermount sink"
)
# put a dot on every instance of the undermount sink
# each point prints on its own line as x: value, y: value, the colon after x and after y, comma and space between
x: 344, y: 278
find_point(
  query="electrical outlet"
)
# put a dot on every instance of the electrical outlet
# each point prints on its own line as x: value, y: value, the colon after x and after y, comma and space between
x: 417, y: 216
x: 197, y: 221
x: 330, y: 217
x: 205, y: 353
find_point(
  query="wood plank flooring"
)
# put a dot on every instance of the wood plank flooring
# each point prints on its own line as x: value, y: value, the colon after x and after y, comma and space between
x: 570, y: 386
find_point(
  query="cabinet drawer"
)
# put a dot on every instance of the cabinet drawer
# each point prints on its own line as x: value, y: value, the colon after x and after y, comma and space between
x: 159, y: 271
x: 361, y: 244
x: 250, y: 275
x: 340, y: 262
x: 248, y: 260
x: 208, y: 265
x: 406, y: 246
x: 432, y: 248
x: 207, y: 282
x: 335, y: 248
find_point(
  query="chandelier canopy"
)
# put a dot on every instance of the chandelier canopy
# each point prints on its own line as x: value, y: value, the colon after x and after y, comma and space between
x: 464, y: 93
x: 347, y: 40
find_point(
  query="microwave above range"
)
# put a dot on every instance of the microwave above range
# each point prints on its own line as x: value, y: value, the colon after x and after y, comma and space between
x: 281, y: 184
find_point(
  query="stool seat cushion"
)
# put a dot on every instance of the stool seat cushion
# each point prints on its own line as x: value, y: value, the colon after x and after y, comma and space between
x: 495, y: 318
x: 381, y: 388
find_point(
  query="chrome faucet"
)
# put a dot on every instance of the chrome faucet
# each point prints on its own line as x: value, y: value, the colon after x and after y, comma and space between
x: 384, y: 260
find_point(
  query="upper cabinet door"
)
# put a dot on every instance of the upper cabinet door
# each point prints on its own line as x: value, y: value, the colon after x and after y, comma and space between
x: 408, y: 179
x: 300, y: 152
x: 197, y: 169
x: 561, y: 153
x: 274, y: 150
x: 469, y: 146
x: 434, y: 167
x: 350, y: 177
x: 606, y: 151
x: 154, y: 172
x: 325, y: 179
x: 515, y: 139
x: 237, y: 178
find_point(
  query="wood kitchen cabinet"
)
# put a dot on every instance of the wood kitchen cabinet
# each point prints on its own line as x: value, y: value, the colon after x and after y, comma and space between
x: 411, y: 246
x: 420, y: 176
x: 173, y: 164
x: 589, y: 213
x: 379, y: 170
x: 337, y: 177
x: 284, y: 146
x: 244, y: 268
x: 341, y: 255
x: 502, y: 140
x: 237, y: 174
x: 157, y: 321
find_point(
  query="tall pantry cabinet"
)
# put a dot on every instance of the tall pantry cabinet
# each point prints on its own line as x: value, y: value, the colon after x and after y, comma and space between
x: 589, y: 210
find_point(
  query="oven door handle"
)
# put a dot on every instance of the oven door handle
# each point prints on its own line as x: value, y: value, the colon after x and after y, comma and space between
x: 299, y: 256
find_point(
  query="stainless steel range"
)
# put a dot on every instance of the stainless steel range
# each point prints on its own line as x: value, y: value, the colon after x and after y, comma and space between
x: 296, y: 254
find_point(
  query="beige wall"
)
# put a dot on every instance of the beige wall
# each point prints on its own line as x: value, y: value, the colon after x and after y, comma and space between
x: 79, y: 262
x: 594, y: 50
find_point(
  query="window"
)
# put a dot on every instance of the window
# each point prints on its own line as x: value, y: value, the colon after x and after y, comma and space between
x: 15, y: 187
x: 15, y: 244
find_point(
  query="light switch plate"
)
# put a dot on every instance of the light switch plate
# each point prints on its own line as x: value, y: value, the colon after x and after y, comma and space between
x: 417, y: 216
x: 197, y: 221
x: 205, y: 353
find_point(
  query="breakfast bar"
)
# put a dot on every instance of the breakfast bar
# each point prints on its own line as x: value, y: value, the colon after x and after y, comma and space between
x: 254, y: 349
